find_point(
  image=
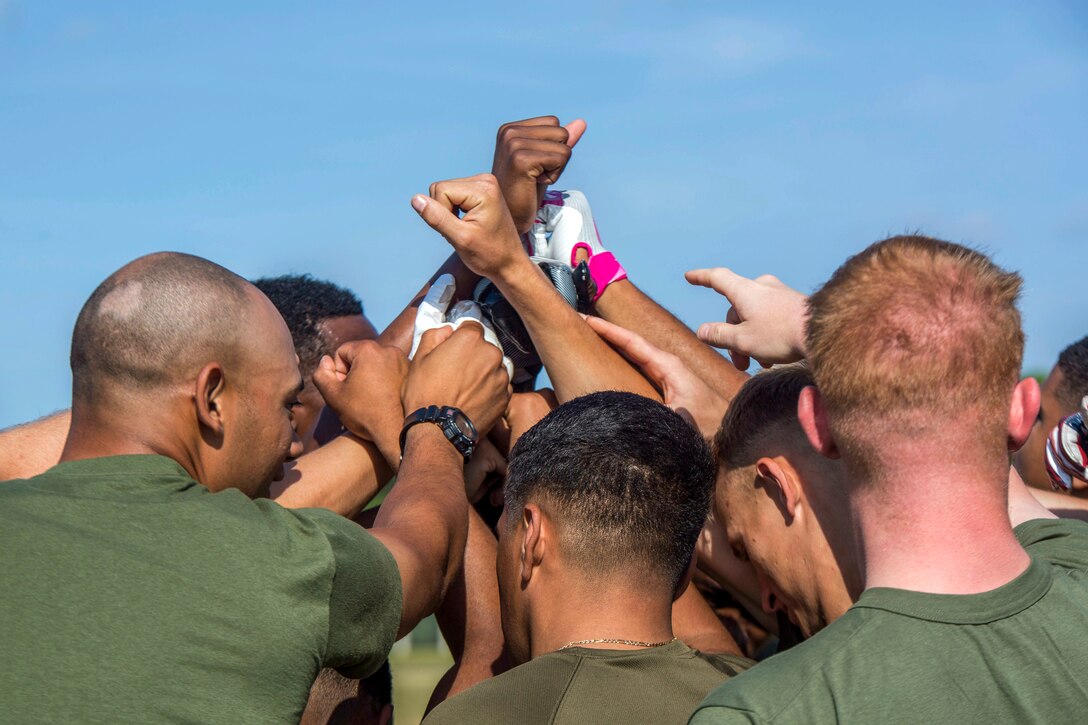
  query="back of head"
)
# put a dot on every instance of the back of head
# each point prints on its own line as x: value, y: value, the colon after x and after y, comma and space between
x: 153, y: 323
x: 626, y: 481
x: 764, y: 409
x: 917, y: 338
x: 305, y: 303
x: 1073, y: 363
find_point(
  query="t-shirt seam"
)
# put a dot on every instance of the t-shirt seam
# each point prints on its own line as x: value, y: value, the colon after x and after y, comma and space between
x: 566, y: 689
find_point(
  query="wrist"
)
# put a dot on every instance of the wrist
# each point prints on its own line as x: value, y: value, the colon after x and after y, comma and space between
x: 457, y: 428
x: 429, y: 437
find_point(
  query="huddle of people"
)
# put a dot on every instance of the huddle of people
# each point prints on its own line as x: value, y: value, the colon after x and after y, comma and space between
x: 867, y: 531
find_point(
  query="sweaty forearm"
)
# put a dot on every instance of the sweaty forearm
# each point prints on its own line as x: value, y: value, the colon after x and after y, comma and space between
x: 622, y: 303
x: 342, y: 476
x: 423, y: 521
x: 399, y: 331
x: 577, y: 360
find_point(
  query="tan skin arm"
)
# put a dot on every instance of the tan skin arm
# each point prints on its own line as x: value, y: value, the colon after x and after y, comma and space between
x: 470, y: 618
x: 578, y: 362
x: 32, y: 448
x: 341, y: 476
x: 624, y: 304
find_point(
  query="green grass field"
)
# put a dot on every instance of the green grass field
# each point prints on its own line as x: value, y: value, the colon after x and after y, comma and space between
x: 414, y: 676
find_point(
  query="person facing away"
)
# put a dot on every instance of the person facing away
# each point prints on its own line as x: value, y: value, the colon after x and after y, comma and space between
x: 604, y: 499
x: 915, y: 346
x: 143, y: 567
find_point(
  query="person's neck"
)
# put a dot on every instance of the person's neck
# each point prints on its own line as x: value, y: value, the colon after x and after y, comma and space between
x: 94, y: 435
x: 940, y: 526
x: 600, y: 609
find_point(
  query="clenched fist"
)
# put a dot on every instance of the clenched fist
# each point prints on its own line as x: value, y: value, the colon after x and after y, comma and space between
x: 484, y: 237
x: 460, y: 369
x: 530, y: 155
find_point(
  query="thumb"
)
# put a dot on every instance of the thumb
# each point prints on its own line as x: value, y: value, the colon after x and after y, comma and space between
x: 439, y: 218
x: 722, y: 280
x: 326, y: 380
x: 575, y: 128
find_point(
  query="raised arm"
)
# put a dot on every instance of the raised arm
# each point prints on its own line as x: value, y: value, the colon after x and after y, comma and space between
x: 578, y: 362
x: 424, y: 519
x: 469, y: 617
x: 624, y: 304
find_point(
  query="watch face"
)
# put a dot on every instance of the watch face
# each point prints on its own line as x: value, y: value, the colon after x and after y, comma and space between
x: 464, y: 426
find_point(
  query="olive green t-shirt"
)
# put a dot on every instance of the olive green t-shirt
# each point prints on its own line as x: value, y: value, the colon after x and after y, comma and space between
x: 1012, y: 655
x: 581, y: 685
x: 130, y: 593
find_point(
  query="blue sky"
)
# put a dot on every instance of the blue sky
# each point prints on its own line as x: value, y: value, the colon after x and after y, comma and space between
x: 274, y: 137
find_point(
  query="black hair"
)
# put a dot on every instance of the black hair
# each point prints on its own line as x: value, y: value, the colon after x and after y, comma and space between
x: 627, y: 481
x: 304, y: 303
x: 1073, y: 362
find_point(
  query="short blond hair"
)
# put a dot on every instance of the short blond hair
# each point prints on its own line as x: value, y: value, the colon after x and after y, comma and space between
x: 914, y: 333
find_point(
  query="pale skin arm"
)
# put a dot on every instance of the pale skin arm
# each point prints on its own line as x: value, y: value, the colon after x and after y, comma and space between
x: 470, y: 619
x: 32, y: 448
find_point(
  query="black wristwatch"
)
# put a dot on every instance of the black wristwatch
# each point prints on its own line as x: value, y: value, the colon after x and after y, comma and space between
x: 456, y: 426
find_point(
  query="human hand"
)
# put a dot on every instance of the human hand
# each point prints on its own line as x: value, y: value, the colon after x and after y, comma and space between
x: 362, y: 384
x: 530, y: 155
x: 486, y: 462
x: 683, y: 390
x: 485, y: 237
x: 458, y: 368
x: 766, y: 320
x: 434, y: 311
x: 525, y: 410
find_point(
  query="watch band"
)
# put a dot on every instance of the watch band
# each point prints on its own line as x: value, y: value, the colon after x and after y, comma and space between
x: 445, y: 417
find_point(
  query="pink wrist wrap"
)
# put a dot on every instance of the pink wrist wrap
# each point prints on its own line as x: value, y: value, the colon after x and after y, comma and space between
x: 603, y: 267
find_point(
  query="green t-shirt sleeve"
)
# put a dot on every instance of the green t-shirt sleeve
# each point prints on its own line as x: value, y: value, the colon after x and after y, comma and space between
x: 1062, y: 542
x: 364, y: 599
x: 710, y: 715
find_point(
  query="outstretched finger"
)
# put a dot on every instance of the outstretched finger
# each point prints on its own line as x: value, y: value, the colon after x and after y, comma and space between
x: 722, y: 280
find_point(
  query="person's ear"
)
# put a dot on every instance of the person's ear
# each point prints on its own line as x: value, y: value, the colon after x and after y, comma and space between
x: 1023, y: 411
x: 812, y: 414
x: 210, y: 385
x: 532, y: 543
x: 783, y: 486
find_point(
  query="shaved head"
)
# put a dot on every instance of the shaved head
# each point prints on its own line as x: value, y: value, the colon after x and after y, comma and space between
x: 154, y: 322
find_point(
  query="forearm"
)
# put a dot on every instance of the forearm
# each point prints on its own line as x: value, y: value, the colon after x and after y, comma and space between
x: 469, y: 616
x: 32, y: 448
x: 624, y: 304
x: 577, y: 360
x: 399, y: 331
x: 424, y: 521
x: 342, y: 476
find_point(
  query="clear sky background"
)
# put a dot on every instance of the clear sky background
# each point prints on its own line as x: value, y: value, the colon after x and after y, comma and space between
x: 274, y: 137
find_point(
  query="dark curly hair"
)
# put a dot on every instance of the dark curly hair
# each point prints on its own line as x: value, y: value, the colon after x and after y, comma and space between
x: 305, y: 303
